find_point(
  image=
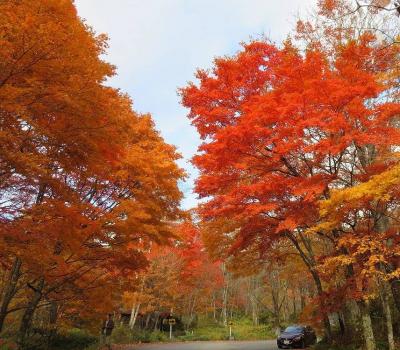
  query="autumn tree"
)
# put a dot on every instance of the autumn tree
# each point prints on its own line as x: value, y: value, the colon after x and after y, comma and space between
x: 366, y: 216
x: 180, y: 279
x: 280, y: 130
x: 85, y: 182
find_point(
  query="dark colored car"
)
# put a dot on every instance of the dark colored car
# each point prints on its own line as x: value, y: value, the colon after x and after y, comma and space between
x: 296, y: 337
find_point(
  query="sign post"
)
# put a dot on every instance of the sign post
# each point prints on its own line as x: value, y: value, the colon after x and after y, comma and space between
x: 230, y: 330
x: 171, y: 322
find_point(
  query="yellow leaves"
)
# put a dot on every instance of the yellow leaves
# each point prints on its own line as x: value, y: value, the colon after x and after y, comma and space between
x: 375, y: 260
x: 324, y: 226
x: 395, y: 275
x: 333, y: 263
x: 377, y: 188
x: 133, y: 298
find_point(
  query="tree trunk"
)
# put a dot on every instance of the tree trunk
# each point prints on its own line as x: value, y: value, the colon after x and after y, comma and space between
x: 147, y: 321
x: 53, y: 314
x: 384, y: 293
x: 9, y: 290
x: 37, y: 296
x: 363, y: 312
x: 310, y: 263
x: 156, y: 322
x: 276, y: 302
x: 134, y: 315
x: 294, y: 306
x: 224, y: 311
x: 302, y: 299
x: 252, y: 295
x: 341, y: 324
x: 225, y: 293
x: 254, y: 310
x: 395, y: 286
x: 214, y: 309
x: 29, y: 312
x: 327, y: 324
x: 381, y: 225
x: 368, y: 332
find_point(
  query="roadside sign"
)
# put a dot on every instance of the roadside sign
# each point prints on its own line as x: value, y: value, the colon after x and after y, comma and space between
x: 230, y: 324
x: 171, y: 322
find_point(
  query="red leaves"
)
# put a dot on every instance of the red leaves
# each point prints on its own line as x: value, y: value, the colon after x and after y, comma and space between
x: 218, y: 101
x: 280, y: 134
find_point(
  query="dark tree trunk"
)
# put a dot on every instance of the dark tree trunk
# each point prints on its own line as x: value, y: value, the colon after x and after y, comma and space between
x: 53, y: 314
x: 10, y: 290
x: 147, y: 321
x: 29, y: 312
x: 302, y: 299
x: 156, y: 321
x: 341, y: 324
x: 310, y: 263
x: 395, y: 286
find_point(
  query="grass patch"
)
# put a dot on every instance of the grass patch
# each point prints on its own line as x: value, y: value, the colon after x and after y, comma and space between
x: 207, y: 330
x: 242, y: 329
x: 124, y: 335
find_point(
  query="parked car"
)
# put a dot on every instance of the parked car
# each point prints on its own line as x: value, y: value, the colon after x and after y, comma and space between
x: 296, y: 337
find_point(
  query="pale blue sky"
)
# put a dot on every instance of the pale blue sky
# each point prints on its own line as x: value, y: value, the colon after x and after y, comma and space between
x: 158, y: 44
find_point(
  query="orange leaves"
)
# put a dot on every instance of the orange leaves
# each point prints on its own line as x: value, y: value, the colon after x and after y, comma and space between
x: 175, y: 274
x: 288, y: 223
x: 328, y: 5
x: 88, y: 183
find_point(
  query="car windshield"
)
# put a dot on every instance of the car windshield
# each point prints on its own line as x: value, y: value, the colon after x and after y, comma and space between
x: 293, y: 329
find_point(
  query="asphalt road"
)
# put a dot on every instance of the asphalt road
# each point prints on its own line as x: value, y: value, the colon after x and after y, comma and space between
x: 220, y: 345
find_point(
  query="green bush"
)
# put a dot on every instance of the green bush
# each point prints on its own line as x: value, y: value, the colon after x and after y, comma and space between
x: 122, y: 334
x: 74, y: 339
x: 146, y: 336
x: 158, y: 336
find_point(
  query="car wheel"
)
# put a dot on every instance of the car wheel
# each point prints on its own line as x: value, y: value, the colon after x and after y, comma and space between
x: 303, y: 344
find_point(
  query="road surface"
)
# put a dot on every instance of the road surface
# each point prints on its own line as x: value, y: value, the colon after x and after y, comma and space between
x: 219, y: 345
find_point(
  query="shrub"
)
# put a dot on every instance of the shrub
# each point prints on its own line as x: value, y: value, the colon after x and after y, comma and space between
x: 158, y: 336
x: 122, y: 335
x: 74, y: 339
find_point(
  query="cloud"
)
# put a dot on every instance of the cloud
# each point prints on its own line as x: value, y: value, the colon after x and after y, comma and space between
x: 158, y: 44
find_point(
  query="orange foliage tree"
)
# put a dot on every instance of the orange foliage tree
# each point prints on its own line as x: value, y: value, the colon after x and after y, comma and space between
x: 180, y: 278
x: 85, y: 182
